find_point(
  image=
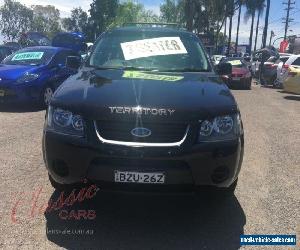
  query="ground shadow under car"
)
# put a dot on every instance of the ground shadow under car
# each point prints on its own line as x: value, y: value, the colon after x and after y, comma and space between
x: 292, y: 97
x: 20, y: 108
x: 147, y: 221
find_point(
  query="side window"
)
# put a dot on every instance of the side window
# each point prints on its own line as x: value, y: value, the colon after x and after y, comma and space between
x: 284, y: 59
x: 60, y: 58
x: 296, y: 62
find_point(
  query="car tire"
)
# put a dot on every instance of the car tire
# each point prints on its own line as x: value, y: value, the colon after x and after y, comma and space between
x: 272, y: 81
x: 63, y: 187
x: 46, y: 96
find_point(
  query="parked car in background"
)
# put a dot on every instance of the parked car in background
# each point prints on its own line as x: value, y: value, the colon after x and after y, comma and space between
x: 283, y: 58
x: 269, y: 70
x: 5, y: 51
x: 32, y: 74
x: 30, y: 39
x: 72, y: 40
x: 292, y: 83
x: 216, y: 59
x: 259, y: 56
x: 282, y: 72
x: 241, y: 76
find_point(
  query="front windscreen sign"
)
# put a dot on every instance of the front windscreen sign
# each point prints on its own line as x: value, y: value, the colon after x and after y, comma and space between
x: 28, y: 56
x: 235, y: 62
x: 153, y: 47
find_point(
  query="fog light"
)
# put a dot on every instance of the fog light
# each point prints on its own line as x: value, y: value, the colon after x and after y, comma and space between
x: 220, y: 174
x: 60, y: 168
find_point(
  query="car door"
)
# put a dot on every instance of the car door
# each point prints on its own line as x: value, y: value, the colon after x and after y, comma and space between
x: 279, y: 68
x: 61, y: 71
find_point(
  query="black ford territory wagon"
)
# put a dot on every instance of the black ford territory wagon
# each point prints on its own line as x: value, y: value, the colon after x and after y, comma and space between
x: 145, y: 110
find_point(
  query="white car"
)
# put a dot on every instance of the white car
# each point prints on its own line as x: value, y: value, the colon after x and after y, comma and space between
x: 217, y: 58
x: 282, y: 69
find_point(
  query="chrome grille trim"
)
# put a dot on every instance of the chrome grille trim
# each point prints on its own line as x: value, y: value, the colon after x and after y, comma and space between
x: 141, y: 144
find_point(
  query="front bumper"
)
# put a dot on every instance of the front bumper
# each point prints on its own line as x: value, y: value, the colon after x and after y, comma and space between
x: 292, y: 85
x: 70, y: 160
x: 16, y: 94
x: 242, y: 83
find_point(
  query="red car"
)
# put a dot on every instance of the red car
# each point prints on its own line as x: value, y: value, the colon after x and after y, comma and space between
x: 240, y: 77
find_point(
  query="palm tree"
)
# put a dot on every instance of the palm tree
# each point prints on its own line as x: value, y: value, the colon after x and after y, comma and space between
x: 230, y: 9
x: 240, y: 3
x: 259, y: 8
x: 266, y: 23
x: 251, y: 8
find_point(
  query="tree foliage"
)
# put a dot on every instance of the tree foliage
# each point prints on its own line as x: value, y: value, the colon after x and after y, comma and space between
x: 46, y: 19
x: 130, y: 12
x: 16, y: 18
x: 172, y: 11
x: 77, y: 22
x: 103, y: 14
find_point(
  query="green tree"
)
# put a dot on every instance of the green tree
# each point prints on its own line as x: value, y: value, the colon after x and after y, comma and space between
x: 77, y: 22
x: 130, y: 12
x: 16, y: 18
x: 46, y: 19
x: 103, y: 14
x: 172, y: 11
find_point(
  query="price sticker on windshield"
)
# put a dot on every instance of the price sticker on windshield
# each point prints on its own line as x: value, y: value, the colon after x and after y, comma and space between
x: 28, y: 56
x: 154, y: 77
x: 153, y: 47
x: 235, y: 62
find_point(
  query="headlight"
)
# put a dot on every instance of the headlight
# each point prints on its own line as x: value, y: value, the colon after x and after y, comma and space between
x: 65, y: 122
x: 221, y: 128
x: 28, y: 77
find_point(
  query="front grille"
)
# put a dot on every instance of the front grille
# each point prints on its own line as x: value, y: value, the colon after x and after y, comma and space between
x: 160, y: 132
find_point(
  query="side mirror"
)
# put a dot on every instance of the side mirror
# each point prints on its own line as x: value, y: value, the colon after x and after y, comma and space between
x: 73, y: 62
x: 247, y: 59
x: 224, y: 68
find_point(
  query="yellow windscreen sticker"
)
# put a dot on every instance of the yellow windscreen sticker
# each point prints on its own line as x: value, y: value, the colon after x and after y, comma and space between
x: 235, y: 62
x: 147, y: 76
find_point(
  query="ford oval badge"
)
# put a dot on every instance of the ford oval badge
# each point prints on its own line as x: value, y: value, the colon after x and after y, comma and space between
x: 141, y: 132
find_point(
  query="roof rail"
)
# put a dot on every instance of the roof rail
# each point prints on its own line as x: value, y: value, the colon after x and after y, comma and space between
x: 154, y: 24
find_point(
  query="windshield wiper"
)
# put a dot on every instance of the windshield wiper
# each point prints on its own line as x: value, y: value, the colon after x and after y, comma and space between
x: 123, y: 68
x: 186, y: 70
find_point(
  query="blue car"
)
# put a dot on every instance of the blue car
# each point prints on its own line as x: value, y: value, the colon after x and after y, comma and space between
x: 31, y: 75
x: 71, y: 40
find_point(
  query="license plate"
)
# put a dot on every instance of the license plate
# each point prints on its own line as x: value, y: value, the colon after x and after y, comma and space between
x: 236, y: 78
x: 2, y: 93
x: 139, y: 177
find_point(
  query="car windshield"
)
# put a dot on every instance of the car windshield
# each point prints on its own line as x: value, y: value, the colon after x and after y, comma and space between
x: 30, y: 57
x: 149, y: 50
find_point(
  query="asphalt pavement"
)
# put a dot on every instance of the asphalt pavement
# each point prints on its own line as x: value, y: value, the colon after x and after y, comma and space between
x: 267, y: 199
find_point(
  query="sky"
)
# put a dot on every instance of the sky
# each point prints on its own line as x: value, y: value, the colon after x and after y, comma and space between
x: 277, y: 12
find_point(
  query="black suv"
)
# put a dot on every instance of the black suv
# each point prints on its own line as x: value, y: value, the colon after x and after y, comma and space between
x: 146, y: 110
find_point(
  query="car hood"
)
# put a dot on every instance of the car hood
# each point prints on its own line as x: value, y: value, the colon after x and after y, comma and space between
x: 14, y: 72
x: 112, y: 94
